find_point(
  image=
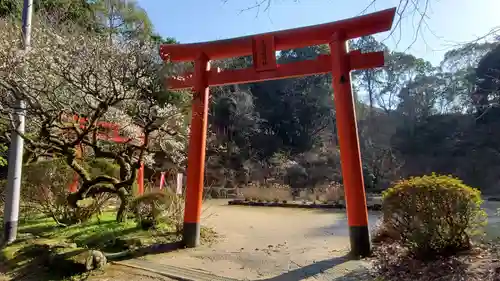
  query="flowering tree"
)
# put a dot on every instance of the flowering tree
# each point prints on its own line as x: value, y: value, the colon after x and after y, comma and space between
x: 70, y: 73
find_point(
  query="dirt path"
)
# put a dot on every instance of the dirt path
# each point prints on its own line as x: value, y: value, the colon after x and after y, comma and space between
x: 276, y: 244
x: 260, y: 243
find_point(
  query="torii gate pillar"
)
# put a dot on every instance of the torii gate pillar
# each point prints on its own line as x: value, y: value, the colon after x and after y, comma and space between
x: 262, y: 47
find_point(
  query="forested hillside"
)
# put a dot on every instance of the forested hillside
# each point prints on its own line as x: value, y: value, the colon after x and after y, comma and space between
x: 413, y: 117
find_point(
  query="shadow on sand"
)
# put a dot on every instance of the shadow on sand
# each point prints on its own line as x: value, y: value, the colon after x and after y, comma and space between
x: 149, y: 250
x: 309, y: 270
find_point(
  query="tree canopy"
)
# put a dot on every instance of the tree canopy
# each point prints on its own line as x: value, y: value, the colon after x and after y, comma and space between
x: 100, y: 61
x: 112, y: 78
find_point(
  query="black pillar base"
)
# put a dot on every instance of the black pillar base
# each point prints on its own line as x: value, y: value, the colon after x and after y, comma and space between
x: 191, y: 234
x: 360, y: 242
x: 10, y: 232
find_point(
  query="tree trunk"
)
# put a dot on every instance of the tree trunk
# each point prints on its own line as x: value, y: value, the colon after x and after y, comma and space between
x: 124, y: 203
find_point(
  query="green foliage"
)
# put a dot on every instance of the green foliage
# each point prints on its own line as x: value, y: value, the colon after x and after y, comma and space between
x: 488, y: 78
x: 79, y: 12
x: 100, y: 166
x: 3, y: 152
x: 155, y: 208
x: 234, y: 123
x: 163, y: 40
x: 125, y: 18
x: 294, y: 113
x: 286, y: 115
x: 296, y: 177
x: 122, y: 17
x: 433, y: 214
x: 45, y: 189
x: 10, y: 8
x: 102, y: 233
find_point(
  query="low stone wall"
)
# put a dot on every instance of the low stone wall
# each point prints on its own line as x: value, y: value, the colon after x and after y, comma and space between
x: 302, y: 205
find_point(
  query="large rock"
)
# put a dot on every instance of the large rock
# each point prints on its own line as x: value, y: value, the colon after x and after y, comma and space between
x: 78, y: 260
x: 67, y: 257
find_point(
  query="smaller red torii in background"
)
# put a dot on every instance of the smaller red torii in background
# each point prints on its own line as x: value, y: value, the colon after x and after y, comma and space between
x: 115, y: 137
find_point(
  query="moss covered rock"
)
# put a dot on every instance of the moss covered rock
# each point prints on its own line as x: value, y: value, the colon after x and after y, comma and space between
x: 77, y: 260
x: 66, y: 257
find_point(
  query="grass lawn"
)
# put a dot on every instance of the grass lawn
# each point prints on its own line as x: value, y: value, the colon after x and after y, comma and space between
x: 103, y: 234
x: 21, y: 260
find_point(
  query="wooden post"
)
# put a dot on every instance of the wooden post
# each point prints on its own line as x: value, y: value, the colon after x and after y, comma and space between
x: 196, y: 154
x: 352, y: 173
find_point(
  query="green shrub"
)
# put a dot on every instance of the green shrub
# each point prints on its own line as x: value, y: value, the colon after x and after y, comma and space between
x: 45, y: 190
x: 99, y: 166
x: 433, y: 215
x: 214, y: 192
x: 157, y: 207
x: 296, y: 177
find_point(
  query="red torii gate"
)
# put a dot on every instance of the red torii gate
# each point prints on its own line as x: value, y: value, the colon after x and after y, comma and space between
x: 262, y: 47
x: 115, y: 137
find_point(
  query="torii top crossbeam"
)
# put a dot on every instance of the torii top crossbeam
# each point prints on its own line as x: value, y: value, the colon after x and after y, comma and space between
x: 262, y: 47
x: 283, y: 40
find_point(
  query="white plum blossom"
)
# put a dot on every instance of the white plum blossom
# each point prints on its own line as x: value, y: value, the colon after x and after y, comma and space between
x: 71, y: 73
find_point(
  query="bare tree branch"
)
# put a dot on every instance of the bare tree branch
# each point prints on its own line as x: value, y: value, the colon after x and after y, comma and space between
x: 417, y: 10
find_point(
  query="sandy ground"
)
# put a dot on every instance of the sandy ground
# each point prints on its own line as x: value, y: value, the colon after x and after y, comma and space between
x: 270, y: 244
x: 277, y: 244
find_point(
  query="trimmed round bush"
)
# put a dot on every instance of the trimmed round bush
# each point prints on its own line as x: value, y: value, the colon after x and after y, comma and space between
x: 433, y: 215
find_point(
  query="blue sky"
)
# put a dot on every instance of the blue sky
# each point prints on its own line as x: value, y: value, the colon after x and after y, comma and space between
x: 449, y: 21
